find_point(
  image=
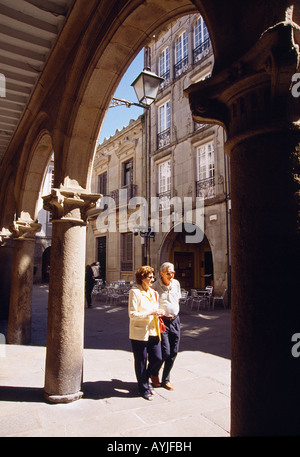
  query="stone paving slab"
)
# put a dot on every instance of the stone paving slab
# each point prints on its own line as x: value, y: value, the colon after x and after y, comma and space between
x: 198, y: 407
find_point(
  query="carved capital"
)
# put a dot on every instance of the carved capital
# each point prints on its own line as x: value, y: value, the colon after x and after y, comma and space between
x: 5, y: 237
x: 25, y: 229
x: 254, y: 94
x: 69, y: 205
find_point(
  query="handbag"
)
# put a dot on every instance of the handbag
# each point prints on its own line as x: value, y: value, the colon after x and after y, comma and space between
x: 162, y: 326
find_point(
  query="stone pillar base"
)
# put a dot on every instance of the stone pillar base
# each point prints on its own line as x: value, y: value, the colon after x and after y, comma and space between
x: 63, y: 398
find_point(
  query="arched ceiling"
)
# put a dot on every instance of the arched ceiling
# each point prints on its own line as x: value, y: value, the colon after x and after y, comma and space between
x: 29, y: 30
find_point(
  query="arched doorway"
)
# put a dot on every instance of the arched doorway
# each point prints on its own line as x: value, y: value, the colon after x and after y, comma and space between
x: 193, y: 261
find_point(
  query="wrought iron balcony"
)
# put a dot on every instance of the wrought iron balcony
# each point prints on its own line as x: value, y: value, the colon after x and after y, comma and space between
x: 131, y: 192
x: 181, y: 67
x: 163, y: 138
x: 201, y: 51
x: 205, y: 188
x: 166, y: 81
x: 164, y: 200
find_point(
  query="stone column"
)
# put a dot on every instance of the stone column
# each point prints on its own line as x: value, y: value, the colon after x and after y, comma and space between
x: 6, y: 255
x: 65, y: 323
x: 19, y: 320
x: 252, y: 99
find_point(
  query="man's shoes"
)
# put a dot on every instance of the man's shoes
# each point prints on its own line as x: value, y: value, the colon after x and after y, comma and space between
x: 168, y: 385
x: 155, y: 381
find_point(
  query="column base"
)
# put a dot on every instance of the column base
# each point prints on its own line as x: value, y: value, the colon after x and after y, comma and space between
x: 63, y: 398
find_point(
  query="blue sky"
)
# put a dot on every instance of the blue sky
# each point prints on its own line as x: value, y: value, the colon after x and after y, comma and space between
x: 119, y: 116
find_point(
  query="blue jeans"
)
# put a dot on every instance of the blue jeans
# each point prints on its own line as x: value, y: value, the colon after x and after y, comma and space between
x: 144, y: 351
x: 170, y: 346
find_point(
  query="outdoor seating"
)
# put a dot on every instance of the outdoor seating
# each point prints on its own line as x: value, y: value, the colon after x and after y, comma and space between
x: 221, y: 299
x: 114, y: 294
x: 200, y: 298
x: 184, y: 297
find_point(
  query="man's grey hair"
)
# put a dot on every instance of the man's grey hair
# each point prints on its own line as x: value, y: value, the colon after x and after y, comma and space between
x: 166, y: 265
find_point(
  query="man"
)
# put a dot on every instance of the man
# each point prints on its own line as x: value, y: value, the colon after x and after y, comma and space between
x: 169, y: 293
x: 96, y: 270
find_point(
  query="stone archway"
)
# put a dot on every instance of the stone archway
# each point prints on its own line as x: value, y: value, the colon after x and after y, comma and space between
x: 24, y: 228
x: 258, y: 52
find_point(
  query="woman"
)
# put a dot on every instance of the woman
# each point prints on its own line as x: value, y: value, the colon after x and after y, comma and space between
x: 144, y: 330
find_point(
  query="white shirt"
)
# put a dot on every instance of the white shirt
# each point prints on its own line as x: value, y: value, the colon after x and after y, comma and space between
x: 168, y: 296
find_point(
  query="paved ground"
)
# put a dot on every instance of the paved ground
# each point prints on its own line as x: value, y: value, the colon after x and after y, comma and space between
x: 198, y: 407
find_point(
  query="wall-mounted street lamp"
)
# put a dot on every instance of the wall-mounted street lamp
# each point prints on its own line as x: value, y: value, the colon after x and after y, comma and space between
x: 144, y: 232
x: 146, y: 87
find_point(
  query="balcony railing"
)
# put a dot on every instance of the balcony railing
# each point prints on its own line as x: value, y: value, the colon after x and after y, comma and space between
x: 163, y: 138
x: 181, y: 67
x: 201, y: 51
x: 205, y: 188
x: 166, y: 81
x: 164, y: 200
x: 131, y: 192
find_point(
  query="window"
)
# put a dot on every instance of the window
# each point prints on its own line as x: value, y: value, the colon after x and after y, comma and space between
x: 201, y: 40
x: 164, y: 123
x: 164, y: 117
x: 181, y: 54
x: 127, y: 173
x: 205, y: 170
x: 102, y: 183
x: 126, y: 252
x: 164, y: 65
x: 164, y: 177
x: 164, y: 183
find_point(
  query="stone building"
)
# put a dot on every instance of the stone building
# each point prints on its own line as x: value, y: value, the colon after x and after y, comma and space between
x: 187, y: 160
x: 118, y: 165
x: 62, y: 64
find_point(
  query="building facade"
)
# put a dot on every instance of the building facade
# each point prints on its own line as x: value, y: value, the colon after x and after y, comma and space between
x: 183, y: 172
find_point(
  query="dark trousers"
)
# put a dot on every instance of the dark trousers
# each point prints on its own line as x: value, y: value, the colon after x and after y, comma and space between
x: 144, y: 351
x: 170, y: 346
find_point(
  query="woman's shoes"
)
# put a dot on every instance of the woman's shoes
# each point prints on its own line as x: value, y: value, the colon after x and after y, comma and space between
x: 147, y: 396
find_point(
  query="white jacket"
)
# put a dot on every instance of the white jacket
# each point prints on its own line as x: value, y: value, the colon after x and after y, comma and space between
x: 140, y: 306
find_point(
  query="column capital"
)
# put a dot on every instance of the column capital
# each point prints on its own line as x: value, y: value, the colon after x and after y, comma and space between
x: 25, y: 229
x: 5, y: 237
x: 253, y: 95
x: 70, y: 205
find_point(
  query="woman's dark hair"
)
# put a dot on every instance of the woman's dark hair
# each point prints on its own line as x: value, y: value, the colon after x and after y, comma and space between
x: 143, y: 272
